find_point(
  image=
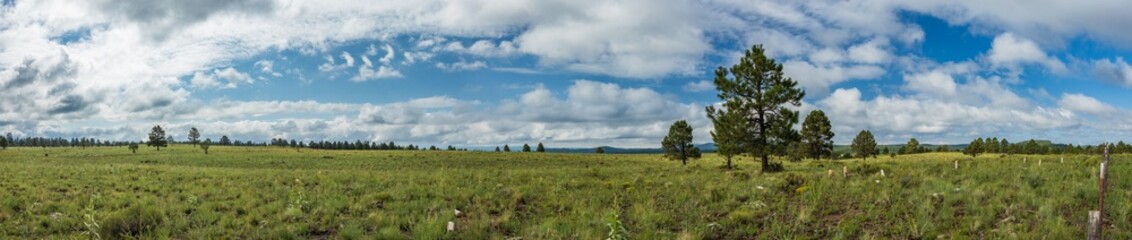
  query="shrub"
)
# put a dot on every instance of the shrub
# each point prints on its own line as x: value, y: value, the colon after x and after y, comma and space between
x: 793, y: 182
x: 132, y: 222
x: 774, y: 167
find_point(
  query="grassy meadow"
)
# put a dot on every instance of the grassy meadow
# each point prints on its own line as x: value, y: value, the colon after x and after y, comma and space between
x: 281, y: 193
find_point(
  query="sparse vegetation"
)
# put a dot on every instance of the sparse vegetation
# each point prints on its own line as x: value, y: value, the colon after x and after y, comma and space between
x: 267, y: 192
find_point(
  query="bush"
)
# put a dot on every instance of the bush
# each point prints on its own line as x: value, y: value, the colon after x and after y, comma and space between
x: 774, y: 167
x: 132, y: 222
x: 793, y: 182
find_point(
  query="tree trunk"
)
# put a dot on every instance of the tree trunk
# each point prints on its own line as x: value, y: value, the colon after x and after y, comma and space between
x: 762, y: 140
x: 728, y: 162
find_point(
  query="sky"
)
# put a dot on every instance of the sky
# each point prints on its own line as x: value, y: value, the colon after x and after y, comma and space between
x: 573, y: 73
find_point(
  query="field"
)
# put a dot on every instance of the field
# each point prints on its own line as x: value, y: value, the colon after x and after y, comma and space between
x: 273, y: 193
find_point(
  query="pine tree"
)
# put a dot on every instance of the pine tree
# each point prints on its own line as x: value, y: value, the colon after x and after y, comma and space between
x: 194, y: 136
x: 817, y: 135
x: 157, y: 138
x: 757, y: 87
x: 540, y: 148
x: 678, y: 144
x: 864, y: 144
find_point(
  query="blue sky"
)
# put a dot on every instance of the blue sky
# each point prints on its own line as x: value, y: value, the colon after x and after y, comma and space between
x: 569, y: 73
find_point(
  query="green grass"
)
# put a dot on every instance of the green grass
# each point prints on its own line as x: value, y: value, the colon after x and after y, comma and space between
x: 273, y: 193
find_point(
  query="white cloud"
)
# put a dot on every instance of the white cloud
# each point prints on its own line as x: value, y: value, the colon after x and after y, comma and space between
x: 267, y: 66
x: 1085, y: 104
x: 389, y: 54
x: 1008, y: 49
x: 935, y: 118
x: 934, y: 83
x: 872, y: 52
x: 699, y: 86
x: 349, y: 59
x: 817, y: 79
x: 231, y: 76
x: 461, y: 66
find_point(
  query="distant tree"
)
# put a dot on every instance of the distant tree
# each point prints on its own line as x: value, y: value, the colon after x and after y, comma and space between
x: 205, y: 144
x: 526, y: 148
x: 864, y: 144
x: 599, y: 150
x: 678, y: 144
x: 913, y: 146
x: 974, y: 148
x: 884, y: 150
x: 817, y: 135
x: 757, y: 88
x: 496, y: 148
x: 194, y: 136
x: 157, y: 138
x: 540, y: 148
x: 133, y: 148
x: 170, y: 140
x: 695, y: 153
x: 506, y: 148
x: 991, y: 145
x: 1004, y: 146
x: 797, y: 151
x: 4, y: 143
x: 730, y: 132
x: 224, y: 141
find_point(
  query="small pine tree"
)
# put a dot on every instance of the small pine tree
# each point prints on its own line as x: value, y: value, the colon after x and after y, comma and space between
x: 599, y: 150
x: 205, y: 144
x: 526, y: 148
x: 864, y: 144
x: 157, y: 138
x: 506, y: 148
x: 496, y: 148
x: 540, y: 148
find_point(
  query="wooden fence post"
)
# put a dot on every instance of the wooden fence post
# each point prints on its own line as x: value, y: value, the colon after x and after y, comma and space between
x: 1096, y: 218
x: 1094, y: 230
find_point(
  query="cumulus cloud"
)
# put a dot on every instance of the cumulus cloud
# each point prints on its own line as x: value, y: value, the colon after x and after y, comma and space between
x: 1006, y: 50
x: 699, y: 86
x: 899, y: 117
x: 1084, y: 104
x: 230, y: 76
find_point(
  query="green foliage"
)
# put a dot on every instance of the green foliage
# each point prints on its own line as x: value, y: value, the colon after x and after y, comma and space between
x: 913, y: 146
x: 817, y: 135
x: 194, y: 136
x: 540, y: 148
x: 526, y: 148
x: 3, y: 143
x: 774, y: 167
x: 133, y: 222
x: 757, y: 87
x: 864, y: 144
x: 506, y: 148
x: 599, y: 150
x: 157, y: 138
x: 974, y: 148
x: 797, y: 151
x: 695, y: 153
x: 678, y: 144
x: 133, y: 148
x: 205, y: 145
x: 730, y: 132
